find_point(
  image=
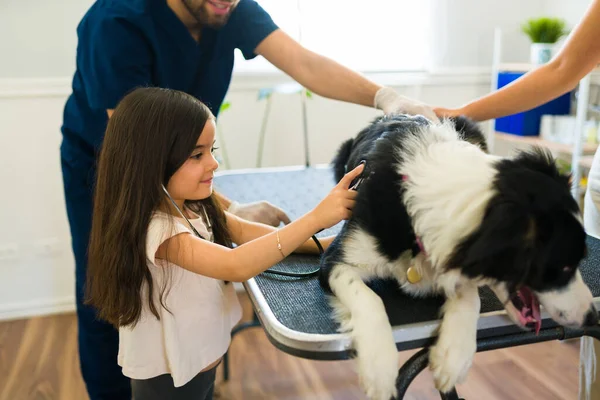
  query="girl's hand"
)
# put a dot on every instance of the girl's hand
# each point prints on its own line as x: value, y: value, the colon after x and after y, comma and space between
x: 339, y: 202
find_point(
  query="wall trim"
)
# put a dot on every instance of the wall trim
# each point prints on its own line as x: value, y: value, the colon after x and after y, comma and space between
x: 34, y: 87
x: 44, y: 307
x: 36, y: 308
x: 253, y: 81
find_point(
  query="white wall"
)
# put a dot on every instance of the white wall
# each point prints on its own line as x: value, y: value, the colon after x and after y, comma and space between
x: 571, y: 10
x: 464, y: 31
x: 36, y: 272
x: 36, y: 265
x: 37, y: 38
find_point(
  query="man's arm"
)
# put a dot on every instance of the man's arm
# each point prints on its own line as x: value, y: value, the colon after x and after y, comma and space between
x: 579, y: 56
x: 330, y: 79
x: 315, y: 72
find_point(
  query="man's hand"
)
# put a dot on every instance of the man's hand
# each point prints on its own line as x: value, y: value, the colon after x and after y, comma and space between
x: 388, y: 100
x: 260, y: 211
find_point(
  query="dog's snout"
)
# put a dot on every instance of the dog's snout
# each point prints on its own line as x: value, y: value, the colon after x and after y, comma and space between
x: 591, y: 317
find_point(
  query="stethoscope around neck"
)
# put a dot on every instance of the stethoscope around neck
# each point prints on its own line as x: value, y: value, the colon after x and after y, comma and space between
x: 270, y: 270
x: 180, y: 211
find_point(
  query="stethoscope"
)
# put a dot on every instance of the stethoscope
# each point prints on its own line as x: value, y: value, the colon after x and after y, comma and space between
x: 270, y: 270
x: 208, y: 225
x: 354, y: 185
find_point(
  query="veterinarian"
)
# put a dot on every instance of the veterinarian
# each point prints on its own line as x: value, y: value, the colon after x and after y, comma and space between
x: 580, y: 54
x: 186, y: 45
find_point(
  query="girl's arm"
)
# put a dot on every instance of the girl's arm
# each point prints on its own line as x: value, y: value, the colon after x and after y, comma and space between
x: 578, y: 57
x: 243, y: 231
x: 253, y: 257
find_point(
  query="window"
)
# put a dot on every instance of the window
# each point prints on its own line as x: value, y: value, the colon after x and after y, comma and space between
x: 367, y: 36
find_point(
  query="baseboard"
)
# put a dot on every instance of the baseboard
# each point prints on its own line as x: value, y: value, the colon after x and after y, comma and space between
x: 43, y: 307
x: 35, y: 87
x: 36, y: 308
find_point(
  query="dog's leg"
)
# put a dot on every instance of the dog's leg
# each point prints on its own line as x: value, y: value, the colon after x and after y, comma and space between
x: 452, y: 355
x: 370, y: 329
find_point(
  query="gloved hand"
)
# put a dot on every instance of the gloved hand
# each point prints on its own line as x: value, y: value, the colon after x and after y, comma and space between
x: 259, y: 211
x: 388, y: 100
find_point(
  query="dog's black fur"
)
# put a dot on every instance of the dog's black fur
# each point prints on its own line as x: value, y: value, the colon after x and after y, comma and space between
x: 529, y: 235
x: 378, y: 208
x: 533, y: 197
x: 529, y: 240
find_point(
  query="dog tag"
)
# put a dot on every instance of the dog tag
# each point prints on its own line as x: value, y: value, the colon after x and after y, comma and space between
x: 413, y: 275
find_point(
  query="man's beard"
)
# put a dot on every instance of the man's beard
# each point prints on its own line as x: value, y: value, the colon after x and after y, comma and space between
x: 199, y: 11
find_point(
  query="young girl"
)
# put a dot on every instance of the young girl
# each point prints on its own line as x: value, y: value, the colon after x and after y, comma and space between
x: 149, y: 274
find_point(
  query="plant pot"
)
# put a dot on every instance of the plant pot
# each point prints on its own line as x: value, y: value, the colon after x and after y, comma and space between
x: 541, y: 53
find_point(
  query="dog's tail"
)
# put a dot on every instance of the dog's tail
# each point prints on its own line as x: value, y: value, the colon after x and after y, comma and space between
x: 341, y: 159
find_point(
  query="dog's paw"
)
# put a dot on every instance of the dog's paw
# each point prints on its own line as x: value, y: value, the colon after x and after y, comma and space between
x: 450, y: 360
x: 378, y: 363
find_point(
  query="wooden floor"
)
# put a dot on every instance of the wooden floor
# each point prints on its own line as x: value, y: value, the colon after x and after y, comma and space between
x: 38, y: 360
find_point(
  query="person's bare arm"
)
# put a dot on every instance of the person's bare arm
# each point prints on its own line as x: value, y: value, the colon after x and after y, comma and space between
x: 577, y: 58
x: 253, y: 257
x: 330, y: 79
x: 243, y: 231
x: 317, y: 73
x: 241, y: 263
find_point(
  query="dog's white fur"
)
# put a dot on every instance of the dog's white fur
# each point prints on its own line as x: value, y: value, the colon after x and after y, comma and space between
x: 436, y: 165
x: 439, y: 154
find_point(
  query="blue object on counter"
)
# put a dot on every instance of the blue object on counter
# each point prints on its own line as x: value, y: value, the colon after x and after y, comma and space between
x: 528, y: 123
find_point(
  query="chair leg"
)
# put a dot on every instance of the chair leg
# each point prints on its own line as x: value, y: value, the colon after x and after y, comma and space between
x: 243, y: 326
x: 418, y: 362
x: 409, y: 371
x: 226, y: 366
x: 452, y: 395
x: 413, y: 367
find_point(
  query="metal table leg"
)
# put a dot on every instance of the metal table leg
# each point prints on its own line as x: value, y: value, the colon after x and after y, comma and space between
x: 419, y: 361
x: 243, y: 326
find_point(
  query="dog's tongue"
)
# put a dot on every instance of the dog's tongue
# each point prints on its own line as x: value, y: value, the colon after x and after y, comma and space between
x: 530, y: 304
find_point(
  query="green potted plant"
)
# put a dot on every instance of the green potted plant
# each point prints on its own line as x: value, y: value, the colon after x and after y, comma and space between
x: 544, y: 33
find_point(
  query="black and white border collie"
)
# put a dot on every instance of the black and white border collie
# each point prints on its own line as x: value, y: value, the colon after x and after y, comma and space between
x: 432, y: 199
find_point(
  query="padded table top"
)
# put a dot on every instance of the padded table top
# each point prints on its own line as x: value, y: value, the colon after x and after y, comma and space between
x: 295, y: 312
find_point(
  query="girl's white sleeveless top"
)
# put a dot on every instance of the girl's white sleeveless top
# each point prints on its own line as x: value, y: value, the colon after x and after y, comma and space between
x: 195, y: 331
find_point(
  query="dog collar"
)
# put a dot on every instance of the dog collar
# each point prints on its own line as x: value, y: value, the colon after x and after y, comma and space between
x: 412, y: 274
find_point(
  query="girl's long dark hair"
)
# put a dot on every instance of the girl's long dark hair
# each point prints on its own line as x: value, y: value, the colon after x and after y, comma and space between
x: 151, y: 133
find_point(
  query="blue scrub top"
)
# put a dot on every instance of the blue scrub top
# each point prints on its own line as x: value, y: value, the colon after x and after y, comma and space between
x: 124, y: 44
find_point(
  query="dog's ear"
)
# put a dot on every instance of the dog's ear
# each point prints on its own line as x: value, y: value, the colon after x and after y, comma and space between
x: 542, y: 161
x: 562, y: 246
x: 341, y: 159
x: 469, y: 131
x: 501, y: 248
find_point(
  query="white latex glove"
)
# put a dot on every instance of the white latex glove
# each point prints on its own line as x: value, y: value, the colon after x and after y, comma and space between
x: 388, y: 100
x: 259, y: 211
